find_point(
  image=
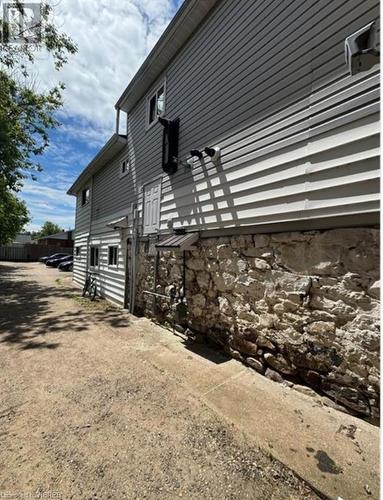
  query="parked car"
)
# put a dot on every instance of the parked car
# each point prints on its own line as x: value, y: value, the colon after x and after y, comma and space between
x: 53, y: 256
x: 66, y: 266
x: 55, y: 262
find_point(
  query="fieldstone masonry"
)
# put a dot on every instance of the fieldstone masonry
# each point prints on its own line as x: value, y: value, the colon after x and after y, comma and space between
x: 301, y: 306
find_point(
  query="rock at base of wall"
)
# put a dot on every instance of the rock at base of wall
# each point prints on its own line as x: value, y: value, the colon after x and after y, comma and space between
x: 273, y: 375
x: 302, y: 304
x: 256, y: 364
x: 307, y: 391
x: 349, y: 397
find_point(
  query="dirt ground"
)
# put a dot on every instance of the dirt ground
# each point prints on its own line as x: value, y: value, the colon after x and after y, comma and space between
x: 84, y: 415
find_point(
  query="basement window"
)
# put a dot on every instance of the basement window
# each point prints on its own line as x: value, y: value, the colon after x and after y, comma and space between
x: 112, y: 255
x: 85, y: 195
x: 156, y: 105
x: 94, y: 256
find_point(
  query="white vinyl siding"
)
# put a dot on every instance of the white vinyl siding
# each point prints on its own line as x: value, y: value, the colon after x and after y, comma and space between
x: 111, y: 278
x: 113, y: 192
x: 80, y: 261
x: 299, y: 136
x: 82, y: 215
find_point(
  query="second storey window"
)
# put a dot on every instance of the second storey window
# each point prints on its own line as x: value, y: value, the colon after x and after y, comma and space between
x: 94, y: 256
x: 124, y: 168
x: 156, y: 105
x: 85, y: 196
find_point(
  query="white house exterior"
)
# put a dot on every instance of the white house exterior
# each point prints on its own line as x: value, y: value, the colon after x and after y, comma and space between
x: 267, y: 83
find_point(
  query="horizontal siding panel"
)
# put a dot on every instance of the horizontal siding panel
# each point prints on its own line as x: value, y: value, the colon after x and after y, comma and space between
x: 283, y: 152
x: 110, y: 279
x: 109, y: 189
x: 82, y: 220
x: 252, y: 144
x: 80, y: 262
x: 349, y: 163
x: 232, y: 108
x: 288, y: 188
x: 279, y: 122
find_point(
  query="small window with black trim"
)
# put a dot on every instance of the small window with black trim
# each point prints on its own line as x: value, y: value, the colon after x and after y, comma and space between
x: 112, y: 255
x: 94, y: 256
x: 78, y: 251
x: 85, y: 195
x: 124, y: 167
x: 156, y: 105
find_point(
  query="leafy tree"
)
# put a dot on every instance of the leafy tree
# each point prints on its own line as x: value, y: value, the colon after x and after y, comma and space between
x: 27, y: 114
x: 47, y: 229
x: 13, y: 215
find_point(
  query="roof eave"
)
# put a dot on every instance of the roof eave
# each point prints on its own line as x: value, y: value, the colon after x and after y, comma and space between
x: 185, y: 22
x: 114, y: 145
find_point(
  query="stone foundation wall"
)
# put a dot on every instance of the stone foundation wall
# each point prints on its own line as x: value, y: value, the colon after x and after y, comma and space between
x: 299, y: 305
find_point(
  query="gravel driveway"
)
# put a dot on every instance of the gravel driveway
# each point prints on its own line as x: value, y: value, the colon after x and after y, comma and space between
x: 84, y: 415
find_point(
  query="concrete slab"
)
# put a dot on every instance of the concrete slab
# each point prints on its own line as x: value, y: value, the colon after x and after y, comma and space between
x: 336, y: 453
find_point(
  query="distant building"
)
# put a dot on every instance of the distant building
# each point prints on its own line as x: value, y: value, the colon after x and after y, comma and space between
x: 22, y: 239
x: 62, y: 239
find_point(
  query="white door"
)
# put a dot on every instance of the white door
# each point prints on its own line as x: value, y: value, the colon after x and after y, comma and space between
x: 152, y: 200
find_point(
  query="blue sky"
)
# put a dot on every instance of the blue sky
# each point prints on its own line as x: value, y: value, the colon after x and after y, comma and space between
x: 113, y: 38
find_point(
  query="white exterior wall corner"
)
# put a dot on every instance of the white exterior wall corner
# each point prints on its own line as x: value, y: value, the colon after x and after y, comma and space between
x: 80, y: 261
x: 110, y: 279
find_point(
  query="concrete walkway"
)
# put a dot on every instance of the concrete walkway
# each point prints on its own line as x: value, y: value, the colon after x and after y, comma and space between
x: 337, y: 454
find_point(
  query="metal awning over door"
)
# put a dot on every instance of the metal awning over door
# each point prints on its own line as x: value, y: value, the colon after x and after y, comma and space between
x: 177, y: 242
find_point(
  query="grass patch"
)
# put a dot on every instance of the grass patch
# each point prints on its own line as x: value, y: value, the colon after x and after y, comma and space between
x: 100, y: 304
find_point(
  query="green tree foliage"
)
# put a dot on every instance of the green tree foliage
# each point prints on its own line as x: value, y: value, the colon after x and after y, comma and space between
x: 27, y: 114
x: 47, y: 229
x: 13, y: 215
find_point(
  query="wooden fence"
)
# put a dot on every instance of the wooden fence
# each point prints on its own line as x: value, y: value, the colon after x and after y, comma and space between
x: 30, y: 252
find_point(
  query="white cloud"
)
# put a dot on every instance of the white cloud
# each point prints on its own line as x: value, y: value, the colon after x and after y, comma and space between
x: 92, y: 134
x: 44, y: 192
x: 113, y: 39
x: 47, y: 203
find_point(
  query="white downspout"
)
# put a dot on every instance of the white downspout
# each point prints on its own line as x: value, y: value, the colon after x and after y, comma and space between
x: 132, y: 290
x: 90, y: 225
x: 118, y: 121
